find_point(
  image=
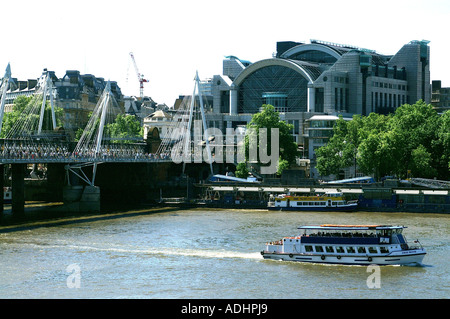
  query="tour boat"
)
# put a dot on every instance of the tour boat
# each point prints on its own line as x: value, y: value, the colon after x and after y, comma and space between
x: 347, y: 245
x: 329, y: 201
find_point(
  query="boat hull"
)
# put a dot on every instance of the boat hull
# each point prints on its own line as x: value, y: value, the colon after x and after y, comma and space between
x: 405, y: 258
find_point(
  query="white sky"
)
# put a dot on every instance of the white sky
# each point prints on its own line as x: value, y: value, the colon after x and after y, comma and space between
x: 172, y: 39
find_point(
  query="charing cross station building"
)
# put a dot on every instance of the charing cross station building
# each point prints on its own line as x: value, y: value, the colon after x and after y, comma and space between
x: 311, y: 84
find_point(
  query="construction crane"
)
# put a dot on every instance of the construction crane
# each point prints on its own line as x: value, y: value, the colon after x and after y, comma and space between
x: 140, y: 76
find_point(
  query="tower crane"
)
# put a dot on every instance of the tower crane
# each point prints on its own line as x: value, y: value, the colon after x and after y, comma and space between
x: 140, y: 76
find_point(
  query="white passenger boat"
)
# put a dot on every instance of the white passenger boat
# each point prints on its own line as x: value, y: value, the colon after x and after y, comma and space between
x: 348, y: 245
x: 330, y: 201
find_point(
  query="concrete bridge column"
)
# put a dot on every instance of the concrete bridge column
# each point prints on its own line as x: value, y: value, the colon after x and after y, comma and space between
x: 18, y: 189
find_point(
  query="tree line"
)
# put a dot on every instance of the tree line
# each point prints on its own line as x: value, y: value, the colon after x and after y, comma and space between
x: 412, y: 142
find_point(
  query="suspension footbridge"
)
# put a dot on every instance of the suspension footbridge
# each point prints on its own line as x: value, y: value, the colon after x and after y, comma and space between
x: 35, y: 138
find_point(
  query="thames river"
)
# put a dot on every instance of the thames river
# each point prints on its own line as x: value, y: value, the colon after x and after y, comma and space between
x: 205, y: 254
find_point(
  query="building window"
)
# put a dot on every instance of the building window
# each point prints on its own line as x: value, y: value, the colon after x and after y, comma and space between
x: 277, y: 100
x: 319, y: 100
x: 224, y: 101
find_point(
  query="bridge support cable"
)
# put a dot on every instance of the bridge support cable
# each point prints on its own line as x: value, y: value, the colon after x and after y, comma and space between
x: 33, y: 121
x: 90, y: 145
x: 184, y: 142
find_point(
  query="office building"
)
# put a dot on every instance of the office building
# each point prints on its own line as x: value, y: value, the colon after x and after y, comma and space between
x: 319, y: 78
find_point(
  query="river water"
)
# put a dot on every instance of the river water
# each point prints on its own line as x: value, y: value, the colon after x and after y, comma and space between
x: 201, y: 253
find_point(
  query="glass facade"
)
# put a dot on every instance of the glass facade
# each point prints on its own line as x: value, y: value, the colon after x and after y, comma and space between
x: 281, y: 84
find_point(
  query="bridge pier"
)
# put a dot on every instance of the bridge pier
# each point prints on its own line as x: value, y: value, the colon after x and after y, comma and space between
x: 79, y: 197
x: 18, y: 190
x: 82, y: 199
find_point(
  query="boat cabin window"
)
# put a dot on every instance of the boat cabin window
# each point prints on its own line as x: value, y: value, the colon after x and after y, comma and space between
x: 319, y: 249
x: 384, y: 250
x: 308, y: 249
x: 350, y: 250
x: 373, y: 250
x: 329, y: 249
x: 361, y: 250
x: 340, y: 250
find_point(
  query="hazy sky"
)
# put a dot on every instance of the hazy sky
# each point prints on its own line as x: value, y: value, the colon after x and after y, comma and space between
x: 172, y: 39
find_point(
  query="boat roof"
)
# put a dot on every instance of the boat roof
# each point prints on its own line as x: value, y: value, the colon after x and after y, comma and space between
x: 350, y: 227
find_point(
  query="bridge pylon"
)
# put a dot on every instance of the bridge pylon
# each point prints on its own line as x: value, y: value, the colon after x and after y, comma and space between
x: 91, y: 143
x: 188, y: 135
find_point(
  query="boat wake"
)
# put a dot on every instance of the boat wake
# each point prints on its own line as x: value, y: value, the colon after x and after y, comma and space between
x: 166, y: 251
x: 174, y: 252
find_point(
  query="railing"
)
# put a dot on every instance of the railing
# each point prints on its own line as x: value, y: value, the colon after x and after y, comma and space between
x: 17, y: 151
x: 79, y: 159
x: 432, y: 183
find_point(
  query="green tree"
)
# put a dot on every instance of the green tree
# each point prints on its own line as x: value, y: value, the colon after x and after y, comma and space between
x: 421, y: 163
x: 241, y: 170
x: 441, y: 147
x: 412, y: 126
x: 374, y: 154
x: 282, y: 165
x: 125, y: 128
x: 21, y: 110
x: 329, y: 158
x: 342, y: 148
x: 415, y: 138
x: 269, y: 119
